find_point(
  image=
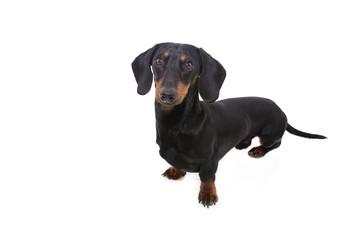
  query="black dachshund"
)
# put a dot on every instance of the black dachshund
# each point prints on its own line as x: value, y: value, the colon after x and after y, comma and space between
x: 194, y: 135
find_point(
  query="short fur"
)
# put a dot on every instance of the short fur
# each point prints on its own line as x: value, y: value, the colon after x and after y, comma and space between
x: 194, y: 135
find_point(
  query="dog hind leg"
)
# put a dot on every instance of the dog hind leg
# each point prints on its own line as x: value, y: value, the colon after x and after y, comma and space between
x: 244, y: 143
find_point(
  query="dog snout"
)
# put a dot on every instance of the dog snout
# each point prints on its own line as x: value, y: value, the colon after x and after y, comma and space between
x: 167, y: 95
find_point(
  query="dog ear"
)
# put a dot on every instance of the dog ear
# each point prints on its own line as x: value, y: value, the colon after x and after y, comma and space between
x: 211, y: 78
x: 141, y: 68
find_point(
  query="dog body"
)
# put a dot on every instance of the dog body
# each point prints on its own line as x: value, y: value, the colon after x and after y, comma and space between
x: 194, y: 135
x: 203, y: 137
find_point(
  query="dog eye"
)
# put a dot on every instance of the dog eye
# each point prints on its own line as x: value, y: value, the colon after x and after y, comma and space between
x: 159, y: 62
x: 189, y: 66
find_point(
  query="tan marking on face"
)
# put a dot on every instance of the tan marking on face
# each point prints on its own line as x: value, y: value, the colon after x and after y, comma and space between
x: 166, y: 108
x: 182, y: 90
x: 166, y: 54
x: 158, y: 85
x: 194, y: 81
x: 183, y: 58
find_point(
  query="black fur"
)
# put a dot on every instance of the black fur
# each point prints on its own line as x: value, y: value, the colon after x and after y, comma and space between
x: 194, y: 135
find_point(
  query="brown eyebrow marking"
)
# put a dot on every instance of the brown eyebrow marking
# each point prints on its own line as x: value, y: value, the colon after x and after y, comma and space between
x: 183, y: 58
x: 166, y: 54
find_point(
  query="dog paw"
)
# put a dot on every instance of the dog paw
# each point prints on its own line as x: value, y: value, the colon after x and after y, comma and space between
x: 207, y: 194
x: 257, y: 152
x: 207, y: 198
x: 173, y: 173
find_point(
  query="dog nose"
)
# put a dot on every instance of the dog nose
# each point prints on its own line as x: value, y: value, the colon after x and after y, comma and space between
x: 167, y: 95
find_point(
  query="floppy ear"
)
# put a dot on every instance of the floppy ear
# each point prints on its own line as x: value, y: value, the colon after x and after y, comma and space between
x: 211, y: 78
x: 141, y: 68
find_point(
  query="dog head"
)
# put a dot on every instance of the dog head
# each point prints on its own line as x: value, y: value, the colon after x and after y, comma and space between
x: 176, y: 67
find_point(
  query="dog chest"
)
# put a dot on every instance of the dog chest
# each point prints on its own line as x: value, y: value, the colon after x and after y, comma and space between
x: 179, y: 160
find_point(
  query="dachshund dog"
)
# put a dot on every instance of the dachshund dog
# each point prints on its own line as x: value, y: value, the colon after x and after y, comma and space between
x: 194, y: 135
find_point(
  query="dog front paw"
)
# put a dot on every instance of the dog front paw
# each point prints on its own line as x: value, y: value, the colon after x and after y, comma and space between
x: 207, y: 198
x: 173, y: 173
x: 207, y: 194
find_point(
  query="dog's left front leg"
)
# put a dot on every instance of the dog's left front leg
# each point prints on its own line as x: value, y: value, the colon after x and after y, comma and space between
x: 207, y: 194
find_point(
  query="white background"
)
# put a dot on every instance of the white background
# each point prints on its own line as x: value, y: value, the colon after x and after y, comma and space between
x: 78, y: 158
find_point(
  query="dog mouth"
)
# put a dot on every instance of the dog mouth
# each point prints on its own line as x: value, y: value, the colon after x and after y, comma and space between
x: 167, y: 102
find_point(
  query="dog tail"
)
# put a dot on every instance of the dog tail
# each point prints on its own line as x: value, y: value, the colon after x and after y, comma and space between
x: 296, y: 132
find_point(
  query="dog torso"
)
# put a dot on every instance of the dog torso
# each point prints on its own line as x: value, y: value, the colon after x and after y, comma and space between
x: 214, y: 128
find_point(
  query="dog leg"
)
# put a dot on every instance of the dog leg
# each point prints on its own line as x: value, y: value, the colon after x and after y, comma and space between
x: 207, y: 194
x: 244, y: 143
